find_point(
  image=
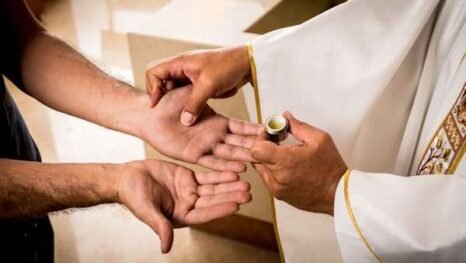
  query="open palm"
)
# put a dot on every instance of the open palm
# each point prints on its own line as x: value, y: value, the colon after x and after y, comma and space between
x: 165, y: 195
x: 215, y: 142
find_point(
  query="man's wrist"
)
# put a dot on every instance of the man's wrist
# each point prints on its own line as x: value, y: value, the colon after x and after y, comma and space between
x: 116, y: 176
x: 107, y: 187
x: 129, y: 117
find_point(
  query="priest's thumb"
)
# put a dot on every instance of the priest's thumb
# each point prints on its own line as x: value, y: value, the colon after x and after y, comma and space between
x: 300, y: 130
x: 200, y: 94
x: 164, y: 229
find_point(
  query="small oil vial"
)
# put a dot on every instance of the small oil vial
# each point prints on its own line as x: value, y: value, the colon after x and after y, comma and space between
x: 276, y: 127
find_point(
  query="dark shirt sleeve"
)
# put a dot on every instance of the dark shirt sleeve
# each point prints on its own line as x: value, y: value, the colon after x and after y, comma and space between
x: 18, y: 27
x: 10, y: 55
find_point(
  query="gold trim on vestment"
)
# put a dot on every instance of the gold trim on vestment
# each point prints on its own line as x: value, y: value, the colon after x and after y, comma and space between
x: 259, y: 120
x: 461, y: 152
x: 447, y: 146
x: 346, y: 177
x: 252, y: 64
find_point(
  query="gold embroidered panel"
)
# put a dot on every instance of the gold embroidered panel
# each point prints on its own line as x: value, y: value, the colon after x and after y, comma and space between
x: 447, y: 146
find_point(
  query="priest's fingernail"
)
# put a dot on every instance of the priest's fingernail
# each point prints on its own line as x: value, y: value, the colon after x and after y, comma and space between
x: 187, y: 118
x: 289, y: 114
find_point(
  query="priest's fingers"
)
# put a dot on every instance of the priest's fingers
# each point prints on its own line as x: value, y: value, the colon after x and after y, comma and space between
x: 215, y: 177
x: 239, y: 197
x: 269, y: 180
x: 166, y: 69
x: 240, y: 140
x: 266, y: 152
x: 217, y: 164
x: 159, y: 76
x: 154, y: 88
x: 243, y: 127
x: 211, y: 189
x: 300, y: 130
x: 231, y: 152
x: 206, y: 214
x: 265, y: 174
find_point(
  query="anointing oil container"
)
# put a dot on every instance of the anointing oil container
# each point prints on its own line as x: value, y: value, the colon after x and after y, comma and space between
x: 276, y: 128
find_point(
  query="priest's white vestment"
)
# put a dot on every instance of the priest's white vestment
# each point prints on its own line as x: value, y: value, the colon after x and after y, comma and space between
x: 386, y: 78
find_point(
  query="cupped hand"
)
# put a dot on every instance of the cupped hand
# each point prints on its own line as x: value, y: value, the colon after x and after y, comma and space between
x: 305, y: 175
x: 215, y: 142
x: 165, y: 195
x: 216, y: 73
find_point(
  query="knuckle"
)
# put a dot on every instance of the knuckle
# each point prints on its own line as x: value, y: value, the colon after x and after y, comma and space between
x: 282, y: 178
x: 277, y: 190
x: 301, y: 125
x: 279, y: 195
x: 323, y: 140
x: 326, y: 138
x: 154, y: 64
x: 243, y: 197
x: 207, y: 83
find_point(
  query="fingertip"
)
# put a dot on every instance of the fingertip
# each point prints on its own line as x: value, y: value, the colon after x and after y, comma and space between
x: 187, y: 118
x: 243, y: 198
x: 231, y: 176
x: 291, y: 119
x: 166, y: 237
x: 155, y: 97
x: 287, y: 114
x: 233, y: 207
x: 233, y: 167
x: 230, y: 208
x: 250, y: 197
x: 153, y: 101
x: 247, y: 186
x: 238, y: 167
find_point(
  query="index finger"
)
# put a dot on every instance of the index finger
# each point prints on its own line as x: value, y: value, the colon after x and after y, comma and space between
x: 154, y: 87
x: 243, y: 127
x: 167, y: 68
x: 216, y: 177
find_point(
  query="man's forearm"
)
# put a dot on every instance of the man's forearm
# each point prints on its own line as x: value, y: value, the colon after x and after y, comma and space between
x: 30, y: 188
x: 58, y: 76
x: 61, y: 78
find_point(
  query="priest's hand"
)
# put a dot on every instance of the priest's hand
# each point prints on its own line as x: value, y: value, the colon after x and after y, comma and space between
x: 215, y: 142
x: 164, y: 195
x: 305, y: 175
x: 217, y: 73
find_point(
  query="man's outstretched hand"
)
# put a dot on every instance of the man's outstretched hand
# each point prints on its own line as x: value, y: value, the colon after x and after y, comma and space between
x: 215, y: 142
x: 164, y: 195
x: 216, y: 73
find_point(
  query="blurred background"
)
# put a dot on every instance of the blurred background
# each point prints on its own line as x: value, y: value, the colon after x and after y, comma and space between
x: 122, y: 36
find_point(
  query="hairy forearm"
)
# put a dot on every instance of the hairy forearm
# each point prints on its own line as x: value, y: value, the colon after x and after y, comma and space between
x: 30, y: 188
x: 61, y: 78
